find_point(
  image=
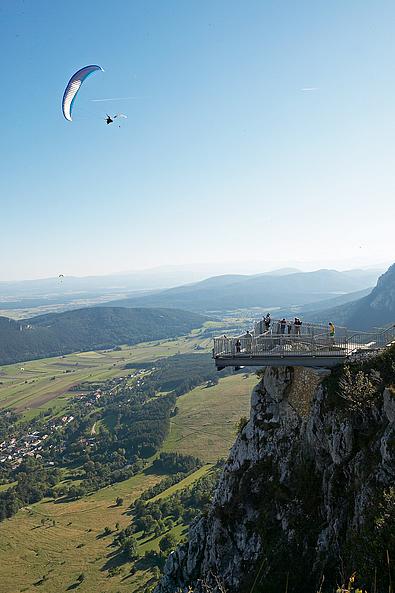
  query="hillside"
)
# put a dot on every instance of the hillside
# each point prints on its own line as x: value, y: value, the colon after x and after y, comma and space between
x: 306, y: 496
x: 91, y: 328
x: 377, y: 309
x: 229, y: 292
x: 71, y: 539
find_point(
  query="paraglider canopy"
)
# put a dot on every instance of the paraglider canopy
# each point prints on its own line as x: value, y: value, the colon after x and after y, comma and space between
x: 73, y: 86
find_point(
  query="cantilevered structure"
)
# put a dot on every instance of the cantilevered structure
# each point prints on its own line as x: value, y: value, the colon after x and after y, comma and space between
x: 309, y: 345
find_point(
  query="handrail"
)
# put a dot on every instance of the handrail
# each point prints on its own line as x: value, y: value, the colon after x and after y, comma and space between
x: 306, y: 344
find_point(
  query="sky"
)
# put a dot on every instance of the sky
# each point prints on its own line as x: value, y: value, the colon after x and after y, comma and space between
x: 256, y: 131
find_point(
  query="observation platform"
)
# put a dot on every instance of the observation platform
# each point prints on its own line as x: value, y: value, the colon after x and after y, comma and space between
x: 309, y: 345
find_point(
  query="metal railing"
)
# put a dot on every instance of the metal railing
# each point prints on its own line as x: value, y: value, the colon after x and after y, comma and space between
x: 306, y: 328
x: 311, y: 341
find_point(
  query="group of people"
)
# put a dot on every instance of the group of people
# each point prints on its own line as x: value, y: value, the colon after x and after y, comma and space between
x: 284, y: 326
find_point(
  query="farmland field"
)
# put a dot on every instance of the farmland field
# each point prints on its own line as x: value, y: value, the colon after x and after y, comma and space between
x: 53, y: 555
x: 46, y: 546
x: 37, y: 385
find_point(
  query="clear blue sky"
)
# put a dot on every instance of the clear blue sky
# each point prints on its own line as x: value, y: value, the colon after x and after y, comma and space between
x: 223, y: 156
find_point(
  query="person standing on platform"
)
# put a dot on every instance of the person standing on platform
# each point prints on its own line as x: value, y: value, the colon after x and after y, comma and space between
x: 283, y: 325
x: 332, y: 332
x: 248, y: 342
x: 297, y: 324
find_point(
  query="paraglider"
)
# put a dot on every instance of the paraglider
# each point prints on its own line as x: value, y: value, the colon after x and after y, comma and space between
x: 61, y: 277
x: 73, y: 86
x: 110, y: 120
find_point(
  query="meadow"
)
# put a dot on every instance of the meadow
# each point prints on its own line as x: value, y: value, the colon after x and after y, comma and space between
x: 47, y: 546
x: 205, y: 423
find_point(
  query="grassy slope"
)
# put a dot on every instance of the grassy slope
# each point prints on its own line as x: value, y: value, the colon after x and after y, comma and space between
x: 28, y: 550
x: 205, y: 423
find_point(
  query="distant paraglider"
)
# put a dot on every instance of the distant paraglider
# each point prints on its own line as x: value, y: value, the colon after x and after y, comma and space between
x: 110, y: 119
x: 73, y: 86
x: 61, y: 276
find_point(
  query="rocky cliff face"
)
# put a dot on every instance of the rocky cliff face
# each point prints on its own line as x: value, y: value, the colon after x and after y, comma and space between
x: 374, y: 310
x: 304, y: 494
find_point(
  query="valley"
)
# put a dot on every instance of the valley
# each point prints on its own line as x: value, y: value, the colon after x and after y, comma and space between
x: 66, y: 535
x: 35, y: 386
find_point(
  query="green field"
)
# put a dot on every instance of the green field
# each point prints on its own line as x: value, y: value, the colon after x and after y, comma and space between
x: 205, y: 423
x: 49, y: 557
x: 29, y: 551
x: 34, y: 386
x: 58, y: 553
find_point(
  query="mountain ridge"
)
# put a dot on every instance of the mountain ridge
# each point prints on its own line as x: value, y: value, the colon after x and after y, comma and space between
x: 373, y: 310
x: 230, y: 292
x: 90, y: 328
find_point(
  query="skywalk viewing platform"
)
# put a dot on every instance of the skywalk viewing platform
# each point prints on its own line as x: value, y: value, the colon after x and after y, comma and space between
x: 309, y: 345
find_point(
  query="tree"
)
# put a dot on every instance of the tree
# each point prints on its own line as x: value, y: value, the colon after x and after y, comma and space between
x: 169, y: 523
x: 130, y: 548
x: 119, y: 501
x: 167, y: 543
x: 148, y: 523
x: 359, y: 389
x: 156, y: 512
x: 81, y: 578
x: 107, y: 530
x: 75, y: 492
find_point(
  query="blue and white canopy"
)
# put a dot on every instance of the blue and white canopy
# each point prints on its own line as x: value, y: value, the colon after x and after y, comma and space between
x: 73, y: 86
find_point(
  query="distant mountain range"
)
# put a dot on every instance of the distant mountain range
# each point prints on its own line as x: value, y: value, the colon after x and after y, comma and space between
x: 63, y: 293
x: 377, y: 309
x: 87, y: 329
x: 63, y: 288
x: 232, y: 292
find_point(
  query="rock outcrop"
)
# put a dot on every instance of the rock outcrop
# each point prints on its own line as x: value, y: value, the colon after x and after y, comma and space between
x: 300, y: 496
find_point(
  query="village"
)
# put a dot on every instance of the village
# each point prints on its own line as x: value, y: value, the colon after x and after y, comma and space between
x: 31, y: 441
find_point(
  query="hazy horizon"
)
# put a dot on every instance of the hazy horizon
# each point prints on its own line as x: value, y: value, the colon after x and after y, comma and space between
x: 207, y: 269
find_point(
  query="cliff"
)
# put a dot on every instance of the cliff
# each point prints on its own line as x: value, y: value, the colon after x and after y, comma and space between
x: 377, y: 309
x: 304, y: 498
